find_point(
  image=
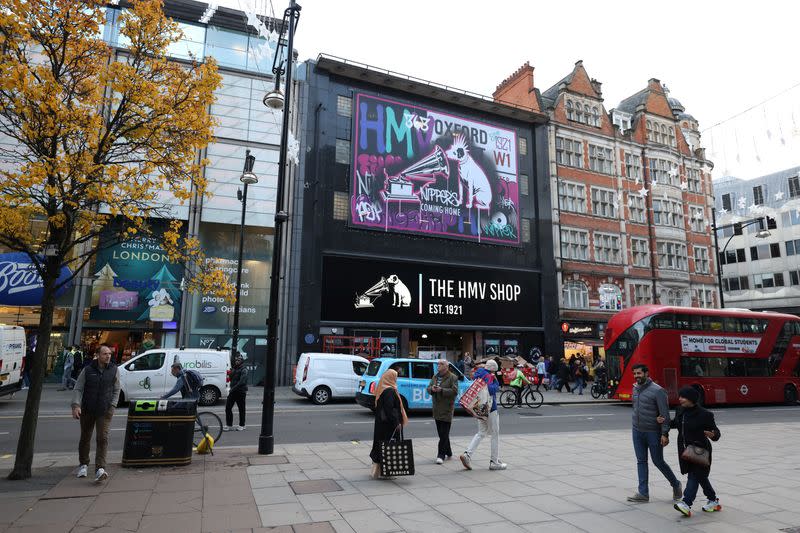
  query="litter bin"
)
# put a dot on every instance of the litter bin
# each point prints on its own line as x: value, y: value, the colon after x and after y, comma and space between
x: 159, y: 433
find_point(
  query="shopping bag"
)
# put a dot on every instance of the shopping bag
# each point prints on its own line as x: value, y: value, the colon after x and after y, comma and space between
x: 397, y: 456
x: 476, y: 399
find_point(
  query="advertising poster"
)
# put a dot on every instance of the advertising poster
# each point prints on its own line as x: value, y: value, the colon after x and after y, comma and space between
x: 721, y: 344
x: 135, y: 280
x: 417, y: 170
x: 393, y: 292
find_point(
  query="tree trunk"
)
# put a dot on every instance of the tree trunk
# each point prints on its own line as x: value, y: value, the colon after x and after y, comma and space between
x: 37, y: 366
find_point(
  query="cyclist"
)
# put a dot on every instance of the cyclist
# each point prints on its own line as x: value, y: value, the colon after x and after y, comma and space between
x: 188, y: 383
x: 601, y: 374
x: 519, y: 379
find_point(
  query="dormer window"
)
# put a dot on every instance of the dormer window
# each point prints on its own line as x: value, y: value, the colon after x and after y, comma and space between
x: 583, y: 112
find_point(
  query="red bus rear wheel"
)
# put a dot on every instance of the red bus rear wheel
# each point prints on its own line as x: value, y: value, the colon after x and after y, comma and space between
x: 790, y: 394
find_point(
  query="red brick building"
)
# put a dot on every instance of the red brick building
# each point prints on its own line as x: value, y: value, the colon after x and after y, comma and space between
x: 631, y: 196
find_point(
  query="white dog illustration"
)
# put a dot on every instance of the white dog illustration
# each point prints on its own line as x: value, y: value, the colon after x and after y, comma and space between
x: 479, y: 191
x: 401, y: 296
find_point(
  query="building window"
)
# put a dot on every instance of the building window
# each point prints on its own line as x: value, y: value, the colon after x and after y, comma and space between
x: 569, y: 152
x: 697, y: 221
x: 607, y: 248
x: 575, y: 295
x: 637, y: 208
x: 668, y: 213
x: 794, y: 276
x: 791, y: 218
x: 672, y: 137
x: 610, y: 297
x: 604, y: 203
x: 640, y: 250
x: 674, y: 297
x: 739, y: 283
x: 705, y: 298
x: 341, y: 205
x: 523, y: 184
x: 344, y: 106
x: 767, y: 281
x: 794, y: 187
x: 650, y: 134
x: 793, y: 247
x: 572, y: 197
x: 758, y: 195
x: 726, y: 202
x: 343, y: 151
x: 601, y: 159
x: 633, y: 166
x: 693, y: 180
x: 701, y: 263
x: 659, y: 171
x: 672, y: 256
x: 523, y: 146
x: 730, y: 257
x: 765, y: 251
x: 575, y: 244
x: 570, y: 111
x: 595, y: 117
x: 642, y: 294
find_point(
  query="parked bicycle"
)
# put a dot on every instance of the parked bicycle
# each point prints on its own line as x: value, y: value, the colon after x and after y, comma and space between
x: 599, y: 389
x: 530, y: 397
x: 207, y: 422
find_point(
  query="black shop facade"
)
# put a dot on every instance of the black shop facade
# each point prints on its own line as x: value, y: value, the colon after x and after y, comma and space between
x: 421, y: 233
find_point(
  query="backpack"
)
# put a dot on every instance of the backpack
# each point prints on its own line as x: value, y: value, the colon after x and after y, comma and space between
x: 194, y: 379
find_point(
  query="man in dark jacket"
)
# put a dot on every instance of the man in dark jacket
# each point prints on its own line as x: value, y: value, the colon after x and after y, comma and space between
x: 237, y: 395
x: 93, y: 401
x: 649, y: 405
x: 443, y: 389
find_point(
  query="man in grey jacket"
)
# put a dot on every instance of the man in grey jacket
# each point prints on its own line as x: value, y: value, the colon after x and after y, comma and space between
x: 650, y: 402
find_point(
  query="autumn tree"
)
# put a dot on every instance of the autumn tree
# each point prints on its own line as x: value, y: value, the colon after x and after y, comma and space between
x: 91, y: 138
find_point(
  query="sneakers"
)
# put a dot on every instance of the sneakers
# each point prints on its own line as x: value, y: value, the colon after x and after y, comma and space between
x: 240, y: 428
x: 439, y: 461
x: 465, y: 460
x: 638, y: 498
x: 499, y: 465
x: 712, y: 506
x: 83, y: 470
x: 100, y: 475
x: 682, y: 508
x: 227, y: 428
x: 677, y: 492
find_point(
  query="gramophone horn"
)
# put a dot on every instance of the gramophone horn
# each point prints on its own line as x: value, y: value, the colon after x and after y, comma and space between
x: 434, y: 163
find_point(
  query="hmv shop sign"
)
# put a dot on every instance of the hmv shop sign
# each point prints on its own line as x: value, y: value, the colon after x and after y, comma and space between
x: 363, y: 291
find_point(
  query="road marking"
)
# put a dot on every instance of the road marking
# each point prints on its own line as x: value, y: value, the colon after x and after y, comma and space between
x: 787, y: 408
x: 586, y: 415
x: 6, y: 456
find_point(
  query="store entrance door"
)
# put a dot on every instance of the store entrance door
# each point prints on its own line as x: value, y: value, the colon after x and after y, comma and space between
x: 437, y: 344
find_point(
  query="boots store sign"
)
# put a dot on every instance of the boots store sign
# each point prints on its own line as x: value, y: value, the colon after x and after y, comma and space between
x: 20, y: 283
x: 364, y: 291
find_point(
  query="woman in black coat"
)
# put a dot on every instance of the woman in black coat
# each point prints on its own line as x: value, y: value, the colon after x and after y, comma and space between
x: 390, y: 416
x: 696, y: 426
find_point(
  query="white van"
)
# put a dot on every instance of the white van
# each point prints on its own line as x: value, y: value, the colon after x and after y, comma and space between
x: 148, y: 375
x: 322, y: 376
x: 12, y: 358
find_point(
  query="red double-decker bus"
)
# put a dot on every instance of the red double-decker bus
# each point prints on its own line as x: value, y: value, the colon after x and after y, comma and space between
x: 729, y: 355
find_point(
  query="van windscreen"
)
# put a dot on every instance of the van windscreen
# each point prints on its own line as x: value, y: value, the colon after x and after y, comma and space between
x: 372, y: 369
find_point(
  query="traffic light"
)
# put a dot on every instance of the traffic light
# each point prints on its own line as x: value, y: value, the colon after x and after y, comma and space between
x: 737, y: 228
x: 771, y: 223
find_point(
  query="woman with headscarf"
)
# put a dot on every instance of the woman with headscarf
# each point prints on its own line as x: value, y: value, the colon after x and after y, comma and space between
x: 390, y: 416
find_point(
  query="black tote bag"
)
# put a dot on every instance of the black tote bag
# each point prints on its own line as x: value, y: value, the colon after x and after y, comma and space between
x: 397, y: 456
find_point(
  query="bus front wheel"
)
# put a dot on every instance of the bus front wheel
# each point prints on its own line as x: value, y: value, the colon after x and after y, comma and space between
x: 790, y: 395
x: 702, y: 394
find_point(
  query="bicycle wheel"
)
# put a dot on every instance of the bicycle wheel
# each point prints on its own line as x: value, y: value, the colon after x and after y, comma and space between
x: 534, y: 399
x: 596, y: 391
x: 207, y: 422
x: 508, y: 399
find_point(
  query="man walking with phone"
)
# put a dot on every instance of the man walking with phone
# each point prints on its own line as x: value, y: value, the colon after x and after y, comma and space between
x: 443, y: 389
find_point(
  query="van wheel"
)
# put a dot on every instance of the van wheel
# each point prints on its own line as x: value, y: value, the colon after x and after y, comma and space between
x: 702, y: 393
x: 790, y: 395
x: 321, y: 395
x: 208, y: 395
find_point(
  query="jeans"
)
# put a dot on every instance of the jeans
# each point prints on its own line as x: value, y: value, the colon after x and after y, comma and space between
x: 100, y: 425
x: 443, y: 430
x: 642, y: 442
x: 237, y: 398
x: 489, y: 427
x: 692, y: 484
x: 580, y: 384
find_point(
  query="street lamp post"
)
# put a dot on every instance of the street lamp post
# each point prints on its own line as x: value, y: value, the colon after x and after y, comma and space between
x: 248, y: 178
x: 291, y: 15
x: 737, y: 227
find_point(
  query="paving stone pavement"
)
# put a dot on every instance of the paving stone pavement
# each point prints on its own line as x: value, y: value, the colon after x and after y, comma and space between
x: 555, y: 482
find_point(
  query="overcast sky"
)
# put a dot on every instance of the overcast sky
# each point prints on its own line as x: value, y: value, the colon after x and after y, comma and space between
x: 718, y: 58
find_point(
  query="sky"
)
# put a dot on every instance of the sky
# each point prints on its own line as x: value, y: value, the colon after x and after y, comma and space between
x: 718, y: 58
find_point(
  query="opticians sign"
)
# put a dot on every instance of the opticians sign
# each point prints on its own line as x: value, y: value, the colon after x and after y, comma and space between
x: 358, y: 290
x: 418, y: 170
x: 719, y: 344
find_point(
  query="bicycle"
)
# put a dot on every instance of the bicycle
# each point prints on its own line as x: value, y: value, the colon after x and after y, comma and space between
x: 599, y: 389
x: 207, y: 422
x: 530, y: 397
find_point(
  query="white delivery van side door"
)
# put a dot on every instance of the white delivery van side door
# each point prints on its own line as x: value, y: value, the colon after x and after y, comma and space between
x: 147, y: 376
x: 357, y: 369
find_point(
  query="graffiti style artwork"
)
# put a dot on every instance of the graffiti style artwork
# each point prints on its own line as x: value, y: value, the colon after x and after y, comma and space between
x: 421, y: 171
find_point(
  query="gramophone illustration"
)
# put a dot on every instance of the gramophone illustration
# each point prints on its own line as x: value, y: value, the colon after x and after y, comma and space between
x: 401, y: 296
x: 401, y: 187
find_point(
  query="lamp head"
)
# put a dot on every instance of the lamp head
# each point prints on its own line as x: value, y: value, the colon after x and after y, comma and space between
x: 763, y: 234
x: 274, y: 99
x: 248, y: 178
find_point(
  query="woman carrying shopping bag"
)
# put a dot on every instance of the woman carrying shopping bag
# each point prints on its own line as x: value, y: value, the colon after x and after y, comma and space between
x: 696, y: 429
x: 390, y: 417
